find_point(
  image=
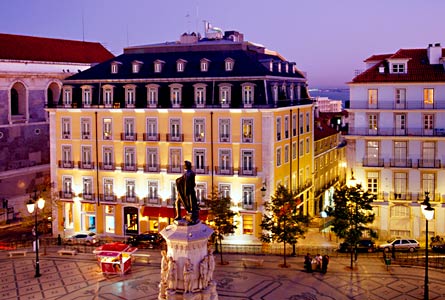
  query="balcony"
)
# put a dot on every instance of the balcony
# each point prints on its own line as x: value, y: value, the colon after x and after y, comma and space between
x: 373, y: 162
x: 152, y: 201
x: 400, y: 196
x: 108, y: 198
x: 175, y: 137
x: 151, y: 168
x: 248, y: 206
x: 224, y: 170
x: 86, y: 135
x: 434, y: 197
x: 65, y: 195
x: 66, y: 164
x: 247, y: 171
x: 129, y: 136
x: 129, y: 167
x: 130, y: 199
x: 400, y: 163
x: 391, y: 104
x: 428, y: 163
x: 85, y: 165
x: 202, y: 170
x: 172, y: 169
x: 156, y: 137
x: 107, y: 166
x: 87, y: 196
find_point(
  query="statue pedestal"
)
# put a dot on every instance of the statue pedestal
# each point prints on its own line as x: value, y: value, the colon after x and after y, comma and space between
x: 190, y: 264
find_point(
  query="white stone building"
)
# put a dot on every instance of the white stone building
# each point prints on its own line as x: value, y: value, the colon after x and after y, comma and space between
x: 396, y: 139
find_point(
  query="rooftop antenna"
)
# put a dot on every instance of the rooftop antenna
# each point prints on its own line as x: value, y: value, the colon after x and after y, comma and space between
x: 197, y: 19
x: 128, y: 39
x: 187, y: 16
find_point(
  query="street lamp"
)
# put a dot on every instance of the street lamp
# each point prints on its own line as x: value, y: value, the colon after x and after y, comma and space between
x: 33, y: 205
x: 428, y: 212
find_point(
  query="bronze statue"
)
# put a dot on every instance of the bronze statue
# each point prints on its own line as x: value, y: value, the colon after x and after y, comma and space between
x: 186, y: 194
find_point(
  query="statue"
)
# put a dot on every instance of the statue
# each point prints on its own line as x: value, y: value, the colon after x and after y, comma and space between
x: 187, y: 195
x: 203, y: 272
x: 172, y: 274
x: 211, y: 265
x: 188, y: 276
x: 164, y: 267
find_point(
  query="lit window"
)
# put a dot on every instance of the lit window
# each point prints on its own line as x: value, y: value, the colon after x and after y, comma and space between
x: 372, y: 97
x: 107, y: 129
x: 199, y: 130
x: 224, y: 94
x: 247, y: 224
x: 247, y: 128
x: 428, y: 96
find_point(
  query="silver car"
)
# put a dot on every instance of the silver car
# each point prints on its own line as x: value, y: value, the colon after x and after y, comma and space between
x: 399, y: 244
x: 88, y: 238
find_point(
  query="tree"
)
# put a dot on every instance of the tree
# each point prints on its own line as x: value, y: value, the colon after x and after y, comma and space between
x: 220, y: 217
x: 352, y: 212
x: 282, y: 222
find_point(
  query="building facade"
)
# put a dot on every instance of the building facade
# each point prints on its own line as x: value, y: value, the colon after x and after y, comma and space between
x: 122, y: 130
x: 396, y: 139
x: 31, y: 74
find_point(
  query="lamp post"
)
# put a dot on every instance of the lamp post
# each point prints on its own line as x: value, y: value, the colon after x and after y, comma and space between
x: 428, y: 212
x: 33, y: 205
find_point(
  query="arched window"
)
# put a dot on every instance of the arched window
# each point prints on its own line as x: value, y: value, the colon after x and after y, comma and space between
x: 18, y: 102
x: 52, y: 94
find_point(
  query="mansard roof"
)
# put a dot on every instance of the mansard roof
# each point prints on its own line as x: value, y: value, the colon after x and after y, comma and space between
x: 30, y: 48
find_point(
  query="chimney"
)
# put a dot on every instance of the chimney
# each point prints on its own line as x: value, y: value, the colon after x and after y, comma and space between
x: 434, y: 53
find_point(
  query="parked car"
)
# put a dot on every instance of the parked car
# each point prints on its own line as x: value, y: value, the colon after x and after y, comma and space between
x: 400, y: 244
x: 89, y: 238
x: 148, y: 239
x: 363, y: 245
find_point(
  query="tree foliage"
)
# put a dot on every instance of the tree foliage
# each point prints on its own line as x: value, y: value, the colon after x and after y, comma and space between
x: 352, y: 212
x: 220, y: 216
x: 282, y: 222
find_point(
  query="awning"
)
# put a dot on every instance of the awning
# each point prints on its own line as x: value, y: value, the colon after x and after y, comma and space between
x: 168, y: 212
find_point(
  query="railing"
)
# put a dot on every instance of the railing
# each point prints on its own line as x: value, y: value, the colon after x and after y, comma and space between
x: 130, y: 199
x: 129, y: 136
x: 428, y: 163
x: 392, y: 105
x: 400, y: 163
x: 84, y: 165
x: 65, y: 195
x: 248, y: 206
x: 391, y: 131
x: 175, y: 137
x: 400, y: 196
x: 152, y: 201
x: 202, y: 170
x: 173, y: 169
x: 129, y: 167
x: 88, y: 196
x: 107, y: 166
x: 373, y: 162
x: 151, y: 137
x: 224, y: 171
x: 108, y: 198
x: 247, y: 171
x: 148, y: 168
x: 66, y: 164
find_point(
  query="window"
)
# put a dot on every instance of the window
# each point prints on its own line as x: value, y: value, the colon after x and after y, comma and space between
x: 152, y: 194
x: 225, y: 161
x: 66, y: 157
x: 67, y: 98
x: 152, y: 95
x: 291, y: 92
x: 247, y: 162
x: 224, y: 190
x: 108, y: 187
x: 136, y: 66
x: 87, y: 191
x: 180, y: 65
x: 86, y: 96
x: 200, y: 94
x: 229, y: 63
x: 400, y: 211
x: 66, y: 128
x: 201, y: 192
x: 428, y: 184
x: 175, y: 130
x: 86, y: 157
x: 248, y: 198
x: 67, y: 186
x: 308, y: 122
x: 247, y: 224
x: 175, y: 94
x: 204, y: 65
x: 107, y: 129
x: 373, y: 181
x: 107, y: 95
x: 85, y: 124
x: 301, y: 148
x: 224, y: 130
x: 247, y: 90
x: 294, y: 150
x: 130, y: 189
x: 158, y: 66
x: 247, y: 128
x: 428, y: 154
x: 199, y: 130
x: 400, y: 185
x: 130, y: 159
x: 107, y: 158
x: 278, y: 158
x: 428, y: 96
x: 372, y: 98
x: 200, y: 159
x: 278, y: 128
x: 400, y: 153
x: 152, y: 129
x: 286, y: 153
x: 286, y: 127
x: 301, y: 123
x: 115, y: 67
x: 225, y: 95
x: 372, y: 153
x: 307, y: 146
x: 109, y: 218
x: 130, y: 95
x: 275, y: 92
x: 175, y: 160
x: 294, y: 125
x: 152, y: 160
x: 400, y: 124
x: 129, y: 129
x: 400, y: 98
x: 398, y: 68
x: 372, y: 122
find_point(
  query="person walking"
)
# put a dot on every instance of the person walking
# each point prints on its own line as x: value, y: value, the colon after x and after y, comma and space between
x: 324, y: 263
x: 308, y: 263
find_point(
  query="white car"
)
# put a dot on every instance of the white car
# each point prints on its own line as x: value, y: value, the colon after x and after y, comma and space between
x: 88, y: 238
x: 400, y: 244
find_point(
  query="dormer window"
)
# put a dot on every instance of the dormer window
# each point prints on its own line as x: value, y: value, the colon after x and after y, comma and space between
x: 200, y: 94
x: 158, y: 66
x: 279, y: 67
x: 287, y: 68
x: 398, y: 68
x: 180, y: 65
x: 86, y: 95
x: 271, y: 66
x: 107, y: 95
x: 130, y: 95
x: 115, y: 67
x: 229, y: 62
x: 204, y: 65
x: 175, y: 94
x: 136, y: 66
x: 152, y: 95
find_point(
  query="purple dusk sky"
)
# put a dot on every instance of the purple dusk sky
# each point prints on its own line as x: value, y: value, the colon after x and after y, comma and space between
x: 327, y: 39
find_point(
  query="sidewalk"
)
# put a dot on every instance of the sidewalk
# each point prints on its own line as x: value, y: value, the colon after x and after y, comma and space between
x: 78, y: 277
